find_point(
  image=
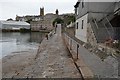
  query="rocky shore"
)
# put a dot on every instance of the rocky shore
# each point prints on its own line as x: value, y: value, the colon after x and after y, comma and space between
x: 13, y: 65
x: 50, y: 60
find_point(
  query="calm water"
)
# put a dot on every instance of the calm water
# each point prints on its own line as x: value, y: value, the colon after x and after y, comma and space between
x: 11, y: 42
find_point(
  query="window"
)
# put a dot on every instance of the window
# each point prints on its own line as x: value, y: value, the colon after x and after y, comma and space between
x: 82, y: 24
x: 77, y: 25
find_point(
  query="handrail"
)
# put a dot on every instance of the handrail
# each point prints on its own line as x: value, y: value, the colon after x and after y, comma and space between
x: 98, y: 29
x: 93, y: 32
x: 107, y: 30
x: 110, y: 24
x: 96, y: 23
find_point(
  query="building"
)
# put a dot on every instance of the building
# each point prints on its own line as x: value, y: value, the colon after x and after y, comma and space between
x: 97, y: 19
x: 31, y: 17
x: 42, y: 11
x: 37, y: 18
x: 44, y: 24
x: 41, y: 25
x: 41, y: 21
x: 14, y: 25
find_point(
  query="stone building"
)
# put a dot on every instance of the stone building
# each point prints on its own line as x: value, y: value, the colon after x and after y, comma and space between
x: 97, y: 19
x: 42, y: 11
x: 41, y: 21
x: 45, y: 25
x: 31, y: 17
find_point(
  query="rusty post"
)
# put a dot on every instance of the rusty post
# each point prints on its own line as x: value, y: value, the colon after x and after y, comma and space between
x: 70, y: 44
x: 47, y: 36
x: 77, y: 50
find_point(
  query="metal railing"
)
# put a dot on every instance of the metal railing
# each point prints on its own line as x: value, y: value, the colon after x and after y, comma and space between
x: 99, y: 30
x: 108, y: 27
x: 102, y: 29
x: 94, y: 29
x: 72, y: 45
x: 102, y: 26
x: 76, y: 49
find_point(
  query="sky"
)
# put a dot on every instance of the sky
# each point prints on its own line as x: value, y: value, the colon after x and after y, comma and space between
x: 11, y: 8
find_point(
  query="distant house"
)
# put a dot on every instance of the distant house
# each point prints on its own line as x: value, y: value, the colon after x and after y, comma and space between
x: 14, y: 25
x: 37, y: 18
x: 29, y: 18
x: 99, y: 16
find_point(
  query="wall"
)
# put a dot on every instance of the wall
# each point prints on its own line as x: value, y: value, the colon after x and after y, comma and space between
x: 41, y: 25
x: 91, y: 36
x: 98, y: 7
x: 82, y: 33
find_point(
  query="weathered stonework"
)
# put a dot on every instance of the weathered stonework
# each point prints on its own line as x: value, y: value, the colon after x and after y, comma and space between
x: 41, y: 25
x: 90, y: 36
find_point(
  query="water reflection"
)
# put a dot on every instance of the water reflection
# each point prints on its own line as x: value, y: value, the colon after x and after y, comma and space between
x: 36, y: 37
x: 12, y: 42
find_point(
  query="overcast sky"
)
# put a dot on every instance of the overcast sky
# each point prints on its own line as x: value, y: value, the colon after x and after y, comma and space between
x: 11, y: 8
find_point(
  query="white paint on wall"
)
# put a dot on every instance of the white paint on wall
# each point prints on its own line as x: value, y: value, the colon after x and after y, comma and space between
x: 82, y: 33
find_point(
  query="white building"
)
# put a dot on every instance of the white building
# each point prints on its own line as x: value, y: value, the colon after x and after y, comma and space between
x: 99, y: 16
x: 14, y: 25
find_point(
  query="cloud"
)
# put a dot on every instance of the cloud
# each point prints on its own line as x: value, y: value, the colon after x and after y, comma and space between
x: 38, y: 0
x: 9, y: 8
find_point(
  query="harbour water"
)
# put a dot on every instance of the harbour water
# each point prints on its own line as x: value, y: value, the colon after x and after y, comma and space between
x: 16, y: 42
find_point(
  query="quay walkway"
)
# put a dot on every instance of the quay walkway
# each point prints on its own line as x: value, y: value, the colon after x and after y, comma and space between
x: 52, y: 60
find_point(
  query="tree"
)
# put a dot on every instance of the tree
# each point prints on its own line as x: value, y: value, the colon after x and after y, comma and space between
x: 58, y: 21
x: 69, y: 19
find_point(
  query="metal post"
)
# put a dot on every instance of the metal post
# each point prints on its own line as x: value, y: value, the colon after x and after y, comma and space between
x: 70, y: 44
x: 77, y: 50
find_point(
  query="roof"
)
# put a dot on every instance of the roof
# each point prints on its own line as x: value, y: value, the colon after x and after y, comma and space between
x: 14, y: 22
